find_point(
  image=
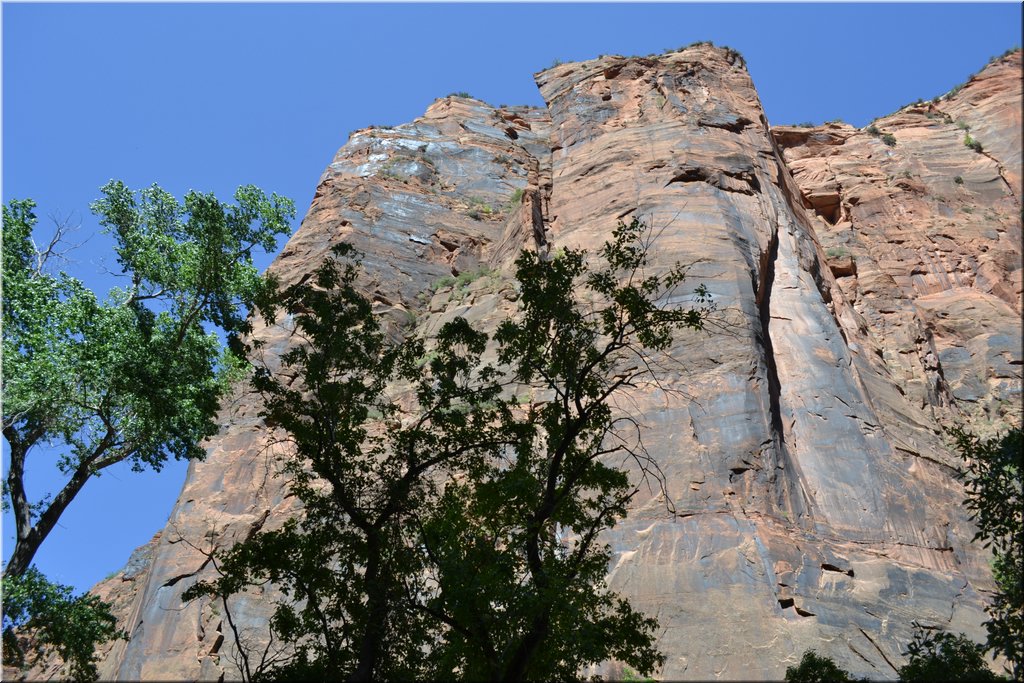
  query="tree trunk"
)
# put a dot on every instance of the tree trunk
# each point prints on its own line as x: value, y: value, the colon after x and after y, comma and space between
x: 19, y: 503
x: 515, y: 671
x: 31, y: 537
x: 376, y: 615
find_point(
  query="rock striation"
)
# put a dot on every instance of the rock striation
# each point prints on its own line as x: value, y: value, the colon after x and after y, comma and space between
x: 868, y: 294
x: 924, y: 240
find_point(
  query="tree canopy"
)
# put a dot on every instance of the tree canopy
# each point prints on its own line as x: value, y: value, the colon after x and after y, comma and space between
x: 452, y: 507
x: 815, y: 668
x: 56, y: 621
x: 943, y: 656
x: 995, y: 496
x: 136, y: 377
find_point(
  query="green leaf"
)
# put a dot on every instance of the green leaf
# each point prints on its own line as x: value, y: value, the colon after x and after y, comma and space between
x: 450, y: 532
x: 54, y: 618
x: 136, y: 377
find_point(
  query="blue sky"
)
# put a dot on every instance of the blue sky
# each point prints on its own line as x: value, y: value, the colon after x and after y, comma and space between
x: 209, y: 97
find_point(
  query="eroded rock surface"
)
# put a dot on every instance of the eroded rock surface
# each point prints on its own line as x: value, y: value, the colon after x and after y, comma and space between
x: 924, y: 239
x: 861, y: 308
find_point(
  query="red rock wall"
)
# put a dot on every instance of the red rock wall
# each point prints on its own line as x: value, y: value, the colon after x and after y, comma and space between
x: 861, y: 309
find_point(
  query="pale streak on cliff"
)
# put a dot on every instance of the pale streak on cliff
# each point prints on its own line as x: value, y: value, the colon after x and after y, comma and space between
x: 800, y: 438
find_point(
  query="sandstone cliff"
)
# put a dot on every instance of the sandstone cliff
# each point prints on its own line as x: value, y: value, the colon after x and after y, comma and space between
x: 869, y: 294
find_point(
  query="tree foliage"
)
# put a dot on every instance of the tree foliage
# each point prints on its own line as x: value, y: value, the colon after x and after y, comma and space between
x: 53, y: 618
x: 815, y: 668
x: 992, y: 476
x: 931, y: 656
x: 136, y: 377
x: 942, y: 656
x: 451, y: 526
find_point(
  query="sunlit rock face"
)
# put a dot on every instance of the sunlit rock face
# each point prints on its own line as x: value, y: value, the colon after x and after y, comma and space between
x: 924, y: 239
x: 866, y: 298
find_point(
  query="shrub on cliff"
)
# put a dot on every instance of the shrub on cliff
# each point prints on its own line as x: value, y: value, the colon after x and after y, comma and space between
x: 456, y: 535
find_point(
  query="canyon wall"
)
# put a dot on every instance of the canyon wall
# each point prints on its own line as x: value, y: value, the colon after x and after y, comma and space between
x: 868, y: 292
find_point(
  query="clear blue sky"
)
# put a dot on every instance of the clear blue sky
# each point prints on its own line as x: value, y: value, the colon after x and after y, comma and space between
x: 213, y: 96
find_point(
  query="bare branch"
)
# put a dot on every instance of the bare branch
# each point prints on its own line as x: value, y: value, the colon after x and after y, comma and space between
x: 57, y: 248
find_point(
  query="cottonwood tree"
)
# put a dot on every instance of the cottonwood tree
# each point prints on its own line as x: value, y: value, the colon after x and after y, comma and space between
x: 136, y: 378
x: 452, y: 507
x: 992, y: 475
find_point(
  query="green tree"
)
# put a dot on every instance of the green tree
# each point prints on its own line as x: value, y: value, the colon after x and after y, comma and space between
x: 992, y: 477
x: 815, y: 668
x: 135, y: 378
x: 943, y: 656
x: 54, y: 619
x: 931, y: 657
x: 450, y: 530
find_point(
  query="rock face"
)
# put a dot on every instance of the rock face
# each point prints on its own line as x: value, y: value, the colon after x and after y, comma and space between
x: 924, y: 240
x: 868, y: 295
